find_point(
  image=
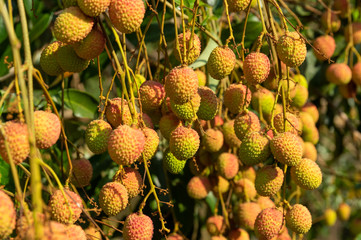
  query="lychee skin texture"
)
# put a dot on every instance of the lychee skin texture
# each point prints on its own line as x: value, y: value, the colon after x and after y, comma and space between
x: 263, y: 100
x: 227, y: 165
x: 125, y: 150
x: 75, y: 232
x: 198, y: 187
x: 238, y: 5
x: 229, y: 135
x: 291, y: 49
x: 16, y: 135
x: 265, y: 202
x: 186, y: 111
x: 138, y: 226
x: 184, y: 142
x: 60, y: 209
x: 151, y: 143
x: 126, y: 15
x: 167, y: 124
x: 114, y: 114
x: 47, y: 129
x: 194, y: 49
x: 344, y: 211
x: 209, y: 104
x: 238, y: 234
x: 237, y: 97
x: 245, y: 187
x: 131, y: 180
x: 96, y: 136
x: 269, y: 180
x: 172, y: 164
x: 212, y: 140
x: 7, y: 215
x: 82, y: 172
x: 93, y: 8
x: 69, y: 61
x: 287, y: 149
x: 48, y: 60
x: 221, y: 62
x: 256, y: 68
x: 268, y: 223
x: 299, y: 219
x: 151, y: 95
x: 246, y: 123
x: 181, y: 84
x: 254, y: 149
x: 326, y: 45
x: 307, y: 174
x: 339, y: 73
x: 113, y: 198
x: 215, y: 225
x: 91, y: 46
x: 293, y: 123
x: 247, y: 213
x: 356, y: 73
x: 72, y: 25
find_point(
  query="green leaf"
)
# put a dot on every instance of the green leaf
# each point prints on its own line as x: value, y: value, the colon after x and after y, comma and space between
x: 81, y: 103
x: 40, y: 26
x: 4, y: 172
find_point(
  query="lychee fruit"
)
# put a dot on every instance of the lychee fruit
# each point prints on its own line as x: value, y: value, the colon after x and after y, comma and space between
x: 309, y: 151
x: 48, y: 61
x: 113, y: 198
x: 174, y: 236
x: 263, y: 100
x: 212, y: 140
x: 220, y: 185
x: 237, y: 97
x: 72, y: 25
x: 188, y: 110
x: 192, y: 51
x: 151, y: 95
x: 209, y: 104
x: 356, y: 33
x: 151, y: 143
x: 131, y: 180
x: 287, y: 149
x: 202, y: 78
x: 307, y: 174
x: 269, y: 180
x: 91, y: 46
x: 215, y: 225
x: 47, y: 129
x: 238, y: 234
x: 221, y: 62
x: 245, y: 188
x: 256, y: 67
x: 126, y: 15
x: 7, y: 217
x: 268, y: 223
x: 82, y: 172
x: 312, y: 110
x: 293, y: 123
x: 65, y: 209
x: 125, y: 150
x: 93, y: 8
x: 227, y: 165
x: 300, y: 97
x: 356, y: 73
x: 96, y: 136
x: 75, y: 232
x: 330, y: 217
x: 229, y: 135
x: 344, y: 211
x: 167, y: 124
x: 246, y: 214
x: 254, y: 149
x: 245, y: 123
x: 184, y: 142
x: 198, y: 187
x: 326, y: 46
x: 138, y: 226
x: 299, y: 219
x: 117, y: 112
x: 238, y: 5
x: 265, y: 202
x: 69, y: 61
x: 291, y: 49
x: 339, y: 73
x: 172, y: 164
x: 246, y: 172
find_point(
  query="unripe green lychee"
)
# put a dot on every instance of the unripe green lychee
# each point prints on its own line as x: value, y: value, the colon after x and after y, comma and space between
x: 184, y: 143
x: 60, y: 209
x: 209, y: 104
x: 312, y: 135
x: 216, y: 225
x: 72, y: 25
x: 221, y: 62
x: 238, y: 5
x: 291, y: 49
x: 245, y: 123
x: 117, y: 112
x: 268, y: 223
x: 113, y: 198
x: 344, y: 211
x: 293, y: 123
x: 263, y: 100
x: 288, y: 87
x: 287, y: 149
x: 265, y: 202
x: 309, y: 151
x: 96, y: 136
x: 131, y: 180
x: 212, y: 140
x: 237, y: 97
x: 151, y: 95
x: 7, y: 215
x: 151, y: 143
x: 188, y: 110
x: 254, y: 149
x: 326, y: 46
x: 307, y: 174
x: 307, y: 122
x: 138, y: 226
x: 198, y: 187
x: 125, y: 150
x: 300, y: 97
x: 82, y: 172
x: 339, y: 73
x: 181, y: 84
x: 202, y: 78
x: 167, y: 124
x: 256, y: 67
x: 312, y: 110
x: 331, y: 19
x: 69, y: 61
x: 16, y: 135
x: 91, y: 46
x: 299, y: 219
x: 47, y: 129
x: 229, y: 135
x: 300, y: 80
x: 269, y: 180
x: 126, y: 15
x: 330, y: 217
x: 227, y: 165
x: 193, y: 50
x: 48, y: 60
x: 238, y: 234
x: 244, y: 187
x: 246, y: 214
x: 356, y: 73
x: 172, y: 164
x: 356, y: 33
x: 93, y: 8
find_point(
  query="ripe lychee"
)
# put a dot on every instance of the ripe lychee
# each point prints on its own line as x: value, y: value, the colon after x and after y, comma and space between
x: 91, y: 46
x: 256, y: 67
x: 167, y: 124
x: 60, y: 206
x: 75, y: 232
x: 117, y: 112
x: 221, y: 62
x: 209, y: 104
x: 291, y: 49
x: 192, y: 51
x: 48, y: 60
x: 96, y: 136
x: 212, y: 140
x: 47, y: 129
x: 113, y: 198
x: 69, y: 61
x: 307, y: 174
x: 172, y: 164
x: 326, y: 46
x: 356, y: 73
x: 198, y: 187
x: 227, y: 165
x: 238, y: 5
x: 131, y: 180
x: 339, y: 73
x: 246, y: 214
x: 184, y: 142
x: 287, y: 149
x: 237, y: 97
x: 151, y: 143
x: 312, y: 110
x: 82, y: 172
x: 188, y: 110
x: 138, y: 226
x: 265, y: 202
x: 229, y: 135
x: 216, y: 225
x: 93, y: 8
x: 356, y: 33
x: 245, y: 123
x: 299, y: 219
x: 269, y: 180
x: 7, y: 215
x: 309, y: 151
x: 293, y: 123
x: 254, y: 149
x: 245, y: 188
x: 126, y: 15
x: 268, y: 223
x: 151, y: 95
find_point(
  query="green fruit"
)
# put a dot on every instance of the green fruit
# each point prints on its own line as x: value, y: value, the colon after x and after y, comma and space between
x: 216, y: 225
x: 263, y: 100
x: 246, y: 214
x: 339, y: 73
x: 291, y: 49
x: 254, y: 149
x: 151, y: 95
x: 245, y: 123
x: 212, y: 140
x: 47, y: 129
x: 229, y: 135
x: 91, y: 46
x: 209, y: 104
x: 167, y: 124
x: 237, y: 97
x: 118, y: 113
x: 184, y: 143
x: 186, y: 111
x: 48, y: 61
x: 198, y: 187
x: 96, y: 136
x: 269, y: 180
x: 268, y: 223
x: 126, y: 15
x: 301, y: 80
x: 131, y: 180
x: 202, y: 78
x: 172, y: 164
x: 93, y: 8
x: 72, y: 25
x: 307, y: 174
x: 192, y: 51
x: 256, y: 68
x: 221, y: 62
x: 60, y: 207
x: 8, y: 215
x: 299, y: 219
x: 301, y: 96
x: 69, y: 61
x: 113, y: 198
x: 227, y: 165
x: 287, y: 149
x: 82, y: 172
